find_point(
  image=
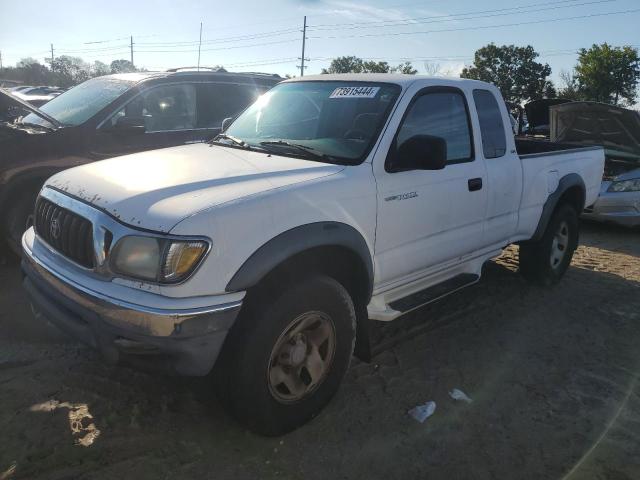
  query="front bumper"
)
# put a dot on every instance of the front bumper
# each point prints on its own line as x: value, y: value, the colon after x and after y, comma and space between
x: 621, y: 208
x: 185, y: 342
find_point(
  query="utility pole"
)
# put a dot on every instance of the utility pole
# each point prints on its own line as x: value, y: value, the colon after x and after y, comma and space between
x: 52, y: 57
x: 131, y: 45
x: 199, y: 45
x: 0, y: 59
x: 304, y: 38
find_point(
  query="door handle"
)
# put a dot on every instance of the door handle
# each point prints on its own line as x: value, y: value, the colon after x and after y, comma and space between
x: 475, y: 184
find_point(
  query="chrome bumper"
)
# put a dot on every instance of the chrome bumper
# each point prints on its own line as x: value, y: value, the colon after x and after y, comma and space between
x: 188, y: 341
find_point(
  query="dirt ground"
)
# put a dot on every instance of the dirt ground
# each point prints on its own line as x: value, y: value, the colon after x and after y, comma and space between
x: 553, y: 374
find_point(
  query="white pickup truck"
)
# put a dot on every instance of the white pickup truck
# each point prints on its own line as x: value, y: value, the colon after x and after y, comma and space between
x: 263, y: 255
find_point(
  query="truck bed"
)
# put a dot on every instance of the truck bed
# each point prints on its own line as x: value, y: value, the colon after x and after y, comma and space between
x: 528, y: 147
x: 544, y: 164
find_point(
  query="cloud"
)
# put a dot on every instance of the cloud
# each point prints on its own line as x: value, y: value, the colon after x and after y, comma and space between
x: 356, y: 11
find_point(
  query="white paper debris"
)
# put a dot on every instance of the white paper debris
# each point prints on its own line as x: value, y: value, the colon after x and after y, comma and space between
x: 459, y: 395
x: 422, y: 412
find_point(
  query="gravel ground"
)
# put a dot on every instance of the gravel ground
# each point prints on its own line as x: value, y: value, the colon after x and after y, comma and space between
x: 553, y: 374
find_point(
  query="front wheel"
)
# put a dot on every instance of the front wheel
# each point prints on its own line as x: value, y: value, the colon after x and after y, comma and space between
x: 286, y: 357
x: 546, y: 261
x: 18, y: 219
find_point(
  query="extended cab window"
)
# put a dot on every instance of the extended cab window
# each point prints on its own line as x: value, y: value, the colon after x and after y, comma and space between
x: 494, y: 141
x: 168, y: 107
x: 440, y: 114
x: 217, y: 101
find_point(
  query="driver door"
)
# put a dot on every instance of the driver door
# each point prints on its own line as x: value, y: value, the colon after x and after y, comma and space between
x: 428, y: 219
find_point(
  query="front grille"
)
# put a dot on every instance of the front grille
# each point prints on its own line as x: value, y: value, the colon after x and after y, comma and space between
x: 67, y: 232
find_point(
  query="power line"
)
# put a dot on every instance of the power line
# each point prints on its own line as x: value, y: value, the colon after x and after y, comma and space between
x: 453, y: 17
x: 181, y: 47
x: 483, y: 27
x: 221, y: 48
x: 253, y: 36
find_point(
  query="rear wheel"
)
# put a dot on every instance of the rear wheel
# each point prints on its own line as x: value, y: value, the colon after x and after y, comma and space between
x: 546, y: 261
x: 286, y: 357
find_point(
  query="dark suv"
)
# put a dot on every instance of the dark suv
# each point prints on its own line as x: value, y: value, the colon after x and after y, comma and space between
x: 109, y: 116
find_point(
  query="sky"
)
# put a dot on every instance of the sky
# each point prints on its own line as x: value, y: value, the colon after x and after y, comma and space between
x: 265, y: 36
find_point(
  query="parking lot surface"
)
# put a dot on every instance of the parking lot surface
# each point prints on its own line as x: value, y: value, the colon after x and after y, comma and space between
x: 552, y: 372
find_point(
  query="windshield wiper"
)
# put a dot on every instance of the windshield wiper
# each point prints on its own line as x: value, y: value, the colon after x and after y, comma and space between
x: 34, y: 125
x: 234, y: 140
x: 304, y: 149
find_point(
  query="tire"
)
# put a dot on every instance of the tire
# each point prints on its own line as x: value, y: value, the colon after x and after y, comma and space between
x: 18, y: 219
x: 263, y: 352
x: 546, y: 261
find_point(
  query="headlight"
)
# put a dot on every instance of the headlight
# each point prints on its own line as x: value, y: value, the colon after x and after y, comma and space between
x: 632, y: 185
x: 157, y: 259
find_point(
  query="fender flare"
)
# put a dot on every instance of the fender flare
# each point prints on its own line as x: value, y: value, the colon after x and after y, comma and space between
x: 297, y: 240
x: 568, y: 181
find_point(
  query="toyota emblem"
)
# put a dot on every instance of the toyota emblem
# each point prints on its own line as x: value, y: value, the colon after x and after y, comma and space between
x: 54, y: 229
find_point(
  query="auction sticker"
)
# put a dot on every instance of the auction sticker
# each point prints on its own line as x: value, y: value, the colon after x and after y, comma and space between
x: 355, y: 92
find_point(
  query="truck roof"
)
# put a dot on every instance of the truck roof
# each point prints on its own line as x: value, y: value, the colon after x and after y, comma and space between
x: 401, y: 79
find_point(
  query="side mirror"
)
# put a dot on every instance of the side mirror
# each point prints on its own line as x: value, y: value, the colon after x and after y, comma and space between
x: 421, y: 152
x: 226, y: 122
x: 130, y: 125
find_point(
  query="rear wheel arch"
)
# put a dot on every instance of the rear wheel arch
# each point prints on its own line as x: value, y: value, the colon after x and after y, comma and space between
x: 571, y: 191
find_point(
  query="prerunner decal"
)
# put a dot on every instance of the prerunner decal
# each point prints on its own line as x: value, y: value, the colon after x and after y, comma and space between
x: 355, y: 92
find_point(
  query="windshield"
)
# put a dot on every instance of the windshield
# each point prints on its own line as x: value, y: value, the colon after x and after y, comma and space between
x: 336, y: 120
x: 77, y: 105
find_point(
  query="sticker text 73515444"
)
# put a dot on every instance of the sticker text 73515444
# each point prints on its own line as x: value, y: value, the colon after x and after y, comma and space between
x: 355, y: 92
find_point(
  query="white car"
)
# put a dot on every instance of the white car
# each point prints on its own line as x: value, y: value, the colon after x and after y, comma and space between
x: 332, y: 201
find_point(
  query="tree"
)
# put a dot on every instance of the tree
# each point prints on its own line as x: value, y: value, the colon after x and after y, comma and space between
x: 70, y: 71
x: 99, y: 69
x: 405, y: 67
x: 29, y: 71
x: 351, y: 64
x: 570, y: 90
x: 513, y: 70
x: 122, y: 66
x: 375, y: 67
x: 608, y: 74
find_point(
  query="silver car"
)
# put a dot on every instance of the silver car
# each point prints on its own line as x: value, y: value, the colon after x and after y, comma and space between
x: 618, y: 131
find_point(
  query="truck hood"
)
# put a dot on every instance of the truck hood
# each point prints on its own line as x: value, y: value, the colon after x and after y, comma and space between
x: 591, y: 123
x: 9, y: 101
x: 538, y: 113
x: 157, y: 189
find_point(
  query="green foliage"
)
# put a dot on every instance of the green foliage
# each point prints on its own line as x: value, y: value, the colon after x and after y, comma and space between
x: 351, y: 64
x: 65, y: 71
x: 70, y: 71
x: 405, y: 67
x: 607, y: 74
x: 514, y: 70
x: 122, y: 66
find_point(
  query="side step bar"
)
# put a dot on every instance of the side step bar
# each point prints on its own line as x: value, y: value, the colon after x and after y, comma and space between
x: 433, y: 293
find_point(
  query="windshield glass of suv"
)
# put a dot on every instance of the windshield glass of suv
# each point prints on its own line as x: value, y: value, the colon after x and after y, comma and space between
x: 77, y: 105
x: 340, y: 120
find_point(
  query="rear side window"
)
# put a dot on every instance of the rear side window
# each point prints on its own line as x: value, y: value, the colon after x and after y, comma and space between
x: 440, y: 114
x: 494, y: 141
x: 217, y: 101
